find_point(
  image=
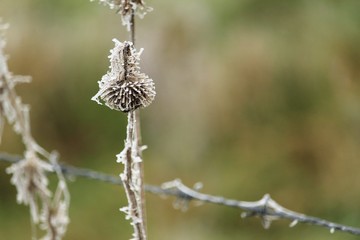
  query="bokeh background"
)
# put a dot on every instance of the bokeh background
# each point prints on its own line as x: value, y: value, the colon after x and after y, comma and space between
x: 253, y: 97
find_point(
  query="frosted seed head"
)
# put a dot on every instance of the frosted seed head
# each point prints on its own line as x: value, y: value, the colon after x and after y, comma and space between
x: 126, y: 7
x: 127, y: 96
x: 125, y: 88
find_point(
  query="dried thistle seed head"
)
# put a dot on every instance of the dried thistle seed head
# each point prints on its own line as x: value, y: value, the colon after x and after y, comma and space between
x: 127, y: 95
x: 124, y: 87
x: 126, y: 7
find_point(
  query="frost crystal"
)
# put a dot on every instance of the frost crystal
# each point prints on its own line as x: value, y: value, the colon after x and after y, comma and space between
x: 126, y: 8
x: 124, y: 88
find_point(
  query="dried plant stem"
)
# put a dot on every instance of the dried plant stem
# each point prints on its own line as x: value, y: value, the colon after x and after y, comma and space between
x: 21, y: 113
x: 131, y: 180
x: 133, y: 169
x: 141, y: 168
x: 137, y: 132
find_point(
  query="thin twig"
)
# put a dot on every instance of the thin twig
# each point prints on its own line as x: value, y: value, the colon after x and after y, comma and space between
x: 130, y: 181
x: 266, y: 208
x: 132, y: 27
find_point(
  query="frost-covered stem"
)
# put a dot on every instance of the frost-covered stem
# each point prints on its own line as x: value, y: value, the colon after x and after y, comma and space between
x: 52, y: 229
x: 20, y: 112
x: 137, y: 132
x: 141, y: 167
x: 136, y: 145
x: 22, y: 118
x: 132, y: 180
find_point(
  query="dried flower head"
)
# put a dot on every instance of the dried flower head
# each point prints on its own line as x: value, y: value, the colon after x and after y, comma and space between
x: 124, y: 88
x: 126, y: 8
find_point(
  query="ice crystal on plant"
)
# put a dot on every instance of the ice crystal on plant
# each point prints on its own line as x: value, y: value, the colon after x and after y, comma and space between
x: 124, y: 87
x: 121, y: 157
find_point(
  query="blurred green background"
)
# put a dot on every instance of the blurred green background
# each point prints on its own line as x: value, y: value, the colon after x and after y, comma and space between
x: 253, y: 97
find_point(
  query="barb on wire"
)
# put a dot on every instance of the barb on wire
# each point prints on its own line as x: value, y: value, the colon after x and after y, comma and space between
x: 266, y: 208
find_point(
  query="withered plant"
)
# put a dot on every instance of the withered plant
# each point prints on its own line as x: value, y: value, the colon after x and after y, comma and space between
x: 126, y: 89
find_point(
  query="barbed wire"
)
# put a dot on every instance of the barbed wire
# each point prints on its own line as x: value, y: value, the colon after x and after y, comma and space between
x: 266, y: 208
